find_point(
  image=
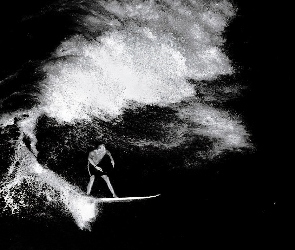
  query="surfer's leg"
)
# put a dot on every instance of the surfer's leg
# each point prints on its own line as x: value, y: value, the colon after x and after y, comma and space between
x: 107, y: 180
x: 90, y: 184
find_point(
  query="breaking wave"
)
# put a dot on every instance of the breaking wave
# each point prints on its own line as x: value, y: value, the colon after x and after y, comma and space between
x: 131, y: 73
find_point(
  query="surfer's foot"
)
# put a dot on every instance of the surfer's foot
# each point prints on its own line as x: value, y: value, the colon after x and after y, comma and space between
x: 115, y: 196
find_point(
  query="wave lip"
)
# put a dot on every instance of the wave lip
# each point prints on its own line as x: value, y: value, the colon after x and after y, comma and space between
x: 147, y: 61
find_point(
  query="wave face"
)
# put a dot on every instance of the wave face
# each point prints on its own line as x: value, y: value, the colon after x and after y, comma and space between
x: 143, y: 76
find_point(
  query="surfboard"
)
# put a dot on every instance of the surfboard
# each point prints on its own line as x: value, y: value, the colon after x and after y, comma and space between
x: 126, y: 199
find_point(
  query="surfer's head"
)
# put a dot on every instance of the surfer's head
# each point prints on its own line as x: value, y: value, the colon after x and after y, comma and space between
x: 100, y: 146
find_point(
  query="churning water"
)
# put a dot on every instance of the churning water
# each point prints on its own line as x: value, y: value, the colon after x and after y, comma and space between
x: 146, y: 77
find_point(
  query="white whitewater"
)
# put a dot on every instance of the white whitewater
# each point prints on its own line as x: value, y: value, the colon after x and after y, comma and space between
x: 146, y: 56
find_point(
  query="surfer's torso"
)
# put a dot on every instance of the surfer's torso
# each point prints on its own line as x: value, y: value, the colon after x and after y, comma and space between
x: 100, y: 163
x: 97, y: 155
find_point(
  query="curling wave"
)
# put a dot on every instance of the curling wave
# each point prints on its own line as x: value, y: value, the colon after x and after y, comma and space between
x: 127, y: 73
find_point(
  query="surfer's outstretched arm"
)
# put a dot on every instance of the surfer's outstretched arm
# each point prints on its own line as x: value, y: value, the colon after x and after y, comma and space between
x: 88, y: 169
x: 112, y: 160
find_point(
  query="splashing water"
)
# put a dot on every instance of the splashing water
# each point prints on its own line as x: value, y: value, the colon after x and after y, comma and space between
x: 146, y: 64
x: 82, y: 208
x: 139, y: 53
x: 216, y: 124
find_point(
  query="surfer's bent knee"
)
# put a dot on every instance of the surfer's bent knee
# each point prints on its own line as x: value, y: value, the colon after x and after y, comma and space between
x: 104, y: 176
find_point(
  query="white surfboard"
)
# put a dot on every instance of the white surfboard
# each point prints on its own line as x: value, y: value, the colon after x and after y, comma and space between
x: 126, y: 199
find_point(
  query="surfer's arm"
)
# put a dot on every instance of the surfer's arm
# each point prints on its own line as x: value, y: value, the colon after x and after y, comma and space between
x: 88, y: 168
x: 112, y: 160
x: 90, y: 160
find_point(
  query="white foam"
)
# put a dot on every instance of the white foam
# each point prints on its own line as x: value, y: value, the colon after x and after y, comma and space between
x: 216, y: 124
x: 146, y: 64
x: 82, y: 208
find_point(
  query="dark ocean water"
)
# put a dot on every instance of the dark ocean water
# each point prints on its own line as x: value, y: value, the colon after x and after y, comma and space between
x: 223, y: 195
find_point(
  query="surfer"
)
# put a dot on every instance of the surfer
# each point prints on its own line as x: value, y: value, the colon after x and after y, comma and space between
x: 98, y: 166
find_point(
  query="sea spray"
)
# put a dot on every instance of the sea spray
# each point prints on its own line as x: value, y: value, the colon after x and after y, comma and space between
x: 147, y: 62
x: 225, y: 128
x: 124, y: 56
x: 34, y: 177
